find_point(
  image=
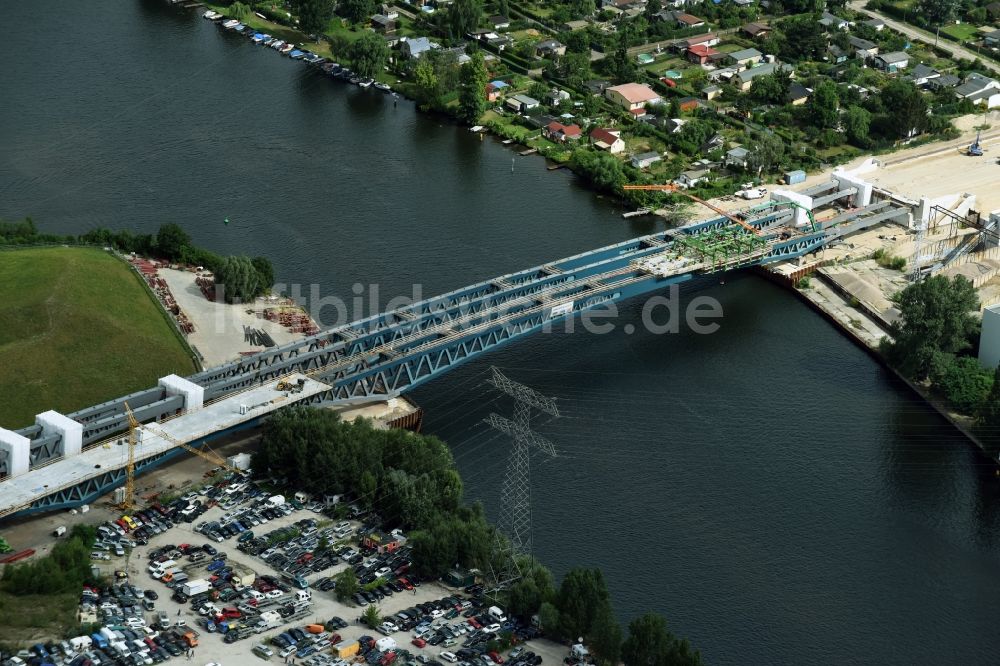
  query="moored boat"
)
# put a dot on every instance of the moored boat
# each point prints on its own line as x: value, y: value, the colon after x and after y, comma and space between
x: 384, y: 87
x: 364, y: 83
x: 230, y: 24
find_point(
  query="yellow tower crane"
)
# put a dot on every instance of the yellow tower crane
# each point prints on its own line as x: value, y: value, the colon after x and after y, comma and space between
x: 133, y: 435
x: 209, y: 455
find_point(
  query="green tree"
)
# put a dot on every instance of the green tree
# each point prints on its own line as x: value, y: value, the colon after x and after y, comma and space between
x: 239, y: 11
x: 472, y: 90
x: 239, y: 279
x: 172, y: 242
x: 822, y: 106
x: 962, y: 380
x: 548, y: 617
x: 582, y: 597
x: 766, y: 153
x: 606, y: 636
x: 906, y: 108
x: 347, y: 585
x: 651, y: 643
x: 604, y: 170
x: 935, y: 315
x: 503, y: 8
x: 427, y: 82
x: 857, y: 120
x: 772, y: 88
x: 356, y: 11
x: 989, y: 411
x: 464, y: 17
x: 369, y: 53
x: 265, y: 271
x: 314, y: 14
x: 938, y: 12
x: 535, y: 587
x: 372, y: 616
x: 367, y: 486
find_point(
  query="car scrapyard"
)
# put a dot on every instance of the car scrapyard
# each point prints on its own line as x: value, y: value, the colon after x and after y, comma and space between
x: 183, y: 592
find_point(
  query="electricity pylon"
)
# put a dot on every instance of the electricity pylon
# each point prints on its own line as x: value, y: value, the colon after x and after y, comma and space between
x: 515, y: 497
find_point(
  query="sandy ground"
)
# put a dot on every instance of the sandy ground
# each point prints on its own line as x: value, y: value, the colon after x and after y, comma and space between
x: 218, y: 327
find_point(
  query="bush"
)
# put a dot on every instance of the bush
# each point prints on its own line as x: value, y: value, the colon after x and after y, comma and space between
x: 65, y: 569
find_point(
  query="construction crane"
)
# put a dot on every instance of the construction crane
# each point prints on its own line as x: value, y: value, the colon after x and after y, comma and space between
x: 210, y: 455
x: 668, y: 187
x: 128, y: 501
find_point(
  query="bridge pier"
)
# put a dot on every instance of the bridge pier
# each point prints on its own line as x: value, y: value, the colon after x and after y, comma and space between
x: 69, y: 431
x: 193, y: 394
x: 18, y: 450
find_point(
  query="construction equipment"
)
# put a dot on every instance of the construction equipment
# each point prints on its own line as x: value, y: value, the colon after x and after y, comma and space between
x: 209, y: 455
x: 291, y: 387
x: 669, y: 187
x: 128, y: 501
x: 976, y: 149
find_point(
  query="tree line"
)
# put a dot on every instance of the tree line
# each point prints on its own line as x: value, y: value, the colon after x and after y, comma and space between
x: 244, y: 278
x: 64, y: 570
x: 410, y: 481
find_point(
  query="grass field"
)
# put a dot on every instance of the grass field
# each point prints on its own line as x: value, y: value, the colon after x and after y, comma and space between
x: 26, y: 620
x: 78, y: 328
x: 962, y: 31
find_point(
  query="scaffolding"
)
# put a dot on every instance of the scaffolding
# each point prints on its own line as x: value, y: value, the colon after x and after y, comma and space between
x: 728, y: 247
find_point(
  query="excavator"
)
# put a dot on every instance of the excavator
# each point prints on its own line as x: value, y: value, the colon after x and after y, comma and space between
x: 976, y: 149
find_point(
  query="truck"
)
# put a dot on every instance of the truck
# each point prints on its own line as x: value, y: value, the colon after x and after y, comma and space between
x: 268, y: 620
x: 751, y: 192
x: 196, y: 586
x: 276, y: 500
x: 99, y: 640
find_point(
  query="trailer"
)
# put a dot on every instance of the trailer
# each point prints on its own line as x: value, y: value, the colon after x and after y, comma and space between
x: 196, y: 586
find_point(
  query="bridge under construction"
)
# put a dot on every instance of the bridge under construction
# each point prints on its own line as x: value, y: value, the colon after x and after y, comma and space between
x: 66, y: 460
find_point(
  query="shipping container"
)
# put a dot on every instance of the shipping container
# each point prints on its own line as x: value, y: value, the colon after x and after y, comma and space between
x: 795, y: 177
x: 347, y: 649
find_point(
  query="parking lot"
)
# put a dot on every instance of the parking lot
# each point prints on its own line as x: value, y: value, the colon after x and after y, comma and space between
x: 263, y: 611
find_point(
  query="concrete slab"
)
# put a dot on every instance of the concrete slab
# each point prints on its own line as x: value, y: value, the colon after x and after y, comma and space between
x: 20, y: 490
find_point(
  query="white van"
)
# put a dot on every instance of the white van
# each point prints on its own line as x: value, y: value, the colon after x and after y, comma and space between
x: 449, y: 656
x: 303, y: 595
x: 497, y: 614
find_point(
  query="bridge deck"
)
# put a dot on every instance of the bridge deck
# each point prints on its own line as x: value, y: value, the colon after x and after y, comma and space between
x: 22, y: 490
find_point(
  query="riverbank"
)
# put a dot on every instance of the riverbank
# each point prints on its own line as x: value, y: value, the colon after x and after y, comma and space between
x: 866, y: 330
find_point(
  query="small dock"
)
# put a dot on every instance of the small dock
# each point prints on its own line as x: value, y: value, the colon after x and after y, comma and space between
x: 637, y: 213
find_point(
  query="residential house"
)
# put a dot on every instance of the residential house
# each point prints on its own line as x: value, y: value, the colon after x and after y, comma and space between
x: 737, y: 157
x: 607, y: 139
x: 540, y: 121
x: 461, y: 57
x: 692, y: 178
x: 980, y: 90
x: 878, y: 25
x: 828, y: 20
x: 521, y: 103
x: 756, y: 30
x: 676, y: 4
x: 701, y: 54
x: 632, y: 96
x: 746, y: 57
x: 555, y: 96
x: 415, y: 46
x: 992, y: 38
x: 798, y: 94
x: 688, y: 20
x: 714, y: 142
x: 645, y: 160
x: 597, y: 86
x: 711, y: 91
x: 499, y: 22
x: 744, y: 79
x: 548, y: 48
x: 383, y: 24
x: 836, y: 54
x: 556, y: 131
x: 743, y: 3
x: 392, y: 40
x: 499, y: 42
x: 386, y: 9
x: 922, y: 74
x: 573, y: 26
x: 944, y: 81
x: 863, y: 48
x: 893, y: 62
x: 708, y: 39
x: 495, y: 90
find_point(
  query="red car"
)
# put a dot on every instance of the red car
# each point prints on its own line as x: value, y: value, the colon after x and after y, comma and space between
x: 495, y: 656
x: 419, y: 642
x: 231, y: 613
x: 475, y: 623
x: 405, y: 583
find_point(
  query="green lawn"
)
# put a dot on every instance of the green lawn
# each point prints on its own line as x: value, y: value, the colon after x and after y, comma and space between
x: 79, y: 327
x: 36, y: 618
x: 962, y: 31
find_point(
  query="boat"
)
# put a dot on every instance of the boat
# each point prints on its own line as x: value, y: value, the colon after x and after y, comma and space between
x: 364, y: 83
x: 230, y: 24
x: 355, y: 80
x: 258, y: 38
x: 211, y: 16
x: 476, y: 128
x: 269, y: 41
x: 287, y: 48
x: 239, y: 27
x: 346, y: 74
x: 296, y: 54
x: 384, y: 87
x: 277, y: 44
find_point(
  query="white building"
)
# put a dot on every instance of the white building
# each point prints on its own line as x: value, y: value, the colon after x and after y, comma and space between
x: 989, y: 338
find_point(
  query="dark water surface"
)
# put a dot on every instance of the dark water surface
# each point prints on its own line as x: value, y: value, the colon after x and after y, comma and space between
x: 767, y: 488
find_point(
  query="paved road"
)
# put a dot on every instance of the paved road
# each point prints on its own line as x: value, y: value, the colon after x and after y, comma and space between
x: 953, y: 48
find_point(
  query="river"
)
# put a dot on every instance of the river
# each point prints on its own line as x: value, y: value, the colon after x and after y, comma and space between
x: 768, y: 488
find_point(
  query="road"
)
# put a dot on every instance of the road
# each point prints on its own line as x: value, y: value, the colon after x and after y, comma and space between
x: 955, y: 49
